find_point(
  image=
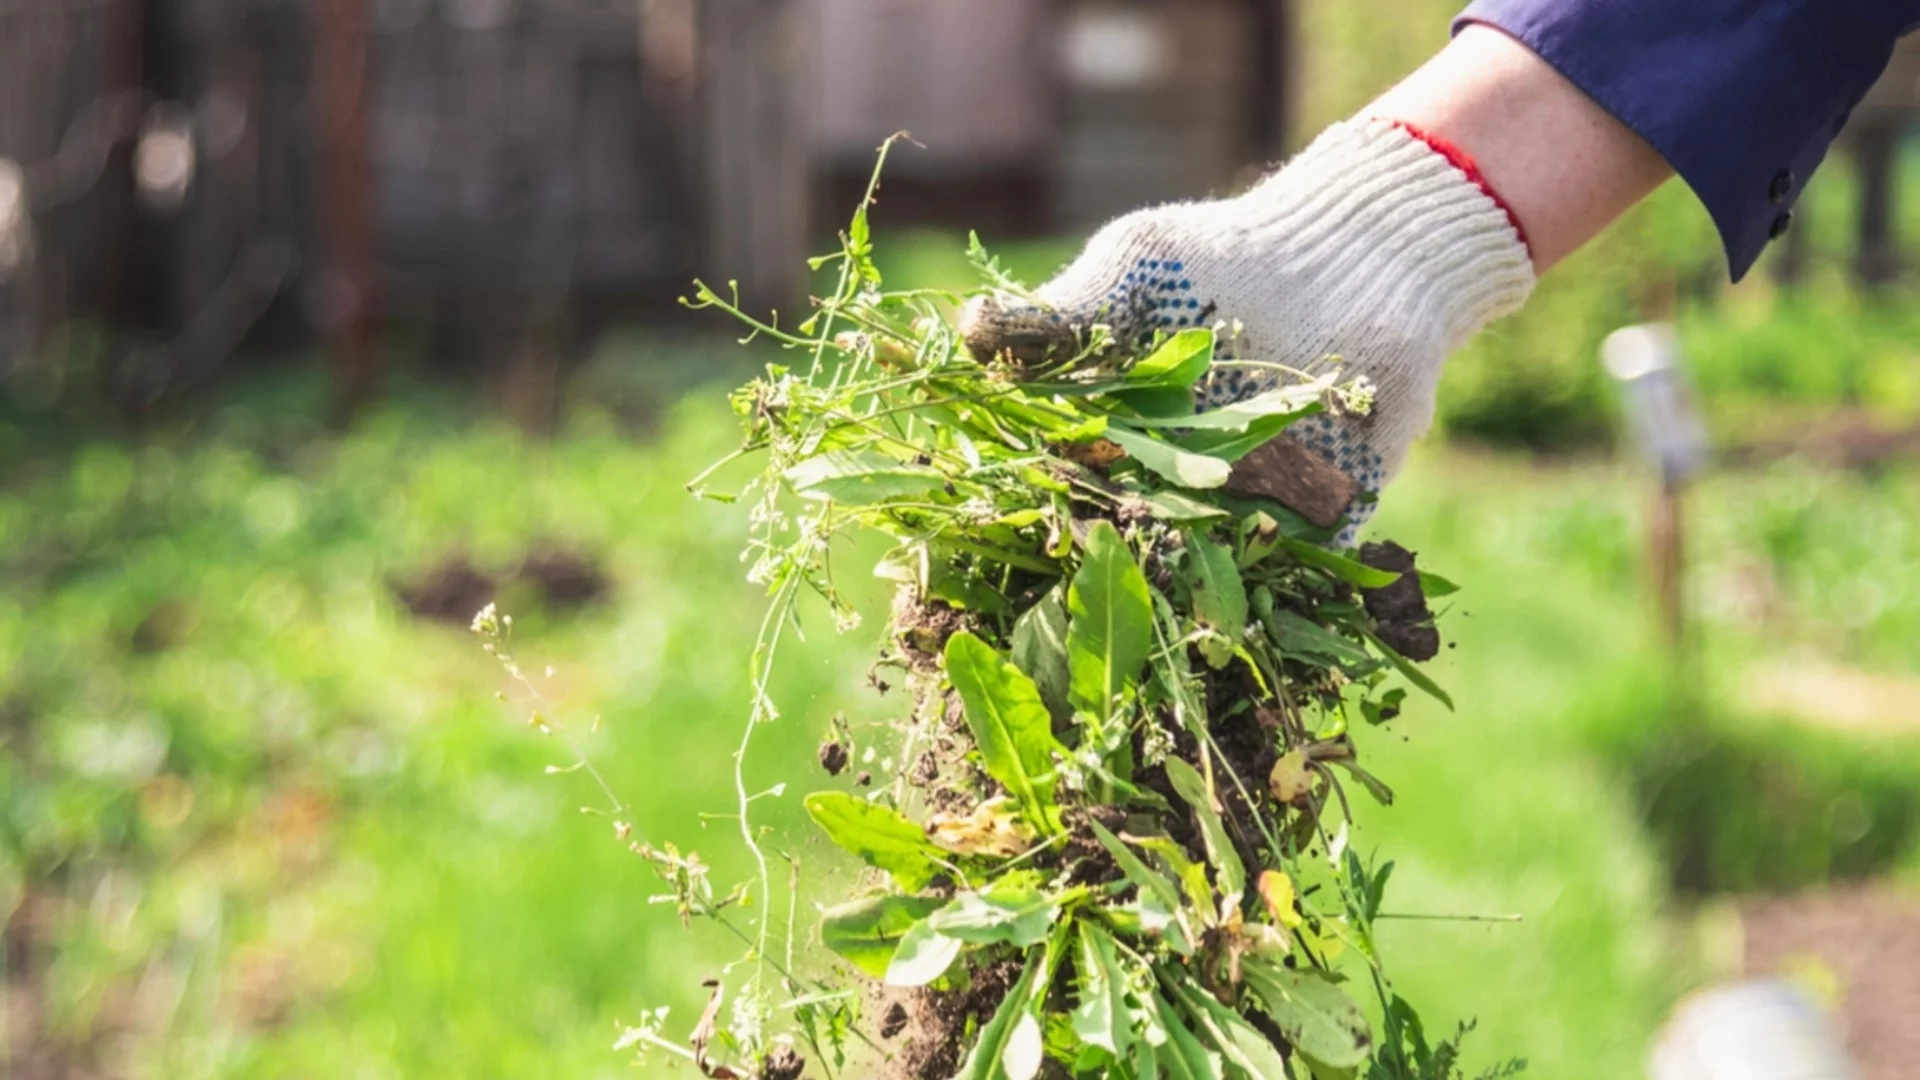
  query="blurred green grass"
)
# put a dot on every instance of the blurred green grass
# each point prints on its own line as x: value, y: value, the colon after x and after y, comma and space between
x: 291, y: 831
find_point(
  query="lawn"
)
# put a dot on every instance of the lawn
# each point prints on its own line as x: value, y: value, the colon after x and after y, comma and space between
x: 261, y: 819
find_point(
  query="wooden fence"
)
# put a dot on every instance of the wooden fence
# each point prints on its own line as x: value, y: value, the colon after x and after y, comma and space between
x: 511, y: 172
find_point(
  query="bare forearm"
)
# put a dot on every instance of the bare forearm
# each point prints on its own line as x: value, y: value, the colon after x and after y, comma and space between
x: 1563, y: 165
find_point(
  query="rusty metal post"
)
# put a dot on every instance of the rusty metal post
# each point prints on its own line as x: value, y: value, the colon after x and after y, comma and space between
x: 1646, y: 361
x: 1666, y: 547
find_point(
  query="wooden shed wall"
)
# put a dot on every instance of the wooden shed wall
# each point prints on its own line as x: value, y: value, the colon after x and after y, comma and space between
x: 1070, y: 110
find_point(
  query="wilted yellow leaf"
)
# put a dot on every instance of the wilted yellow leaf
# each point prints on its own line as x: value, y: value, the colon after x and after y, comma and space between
x: 1276, y: 888
x: 1291, y: 781
x: 991, y: 829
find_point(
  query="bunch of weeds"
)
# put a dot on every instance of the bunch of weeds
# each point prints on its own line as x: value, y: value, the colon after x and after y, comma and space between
x: 1115, y: 842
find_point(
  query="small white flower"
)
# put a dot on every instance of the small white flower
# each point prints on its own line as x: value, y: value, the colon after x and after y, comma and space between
x: 487, y: 622
x: 1357, y: 397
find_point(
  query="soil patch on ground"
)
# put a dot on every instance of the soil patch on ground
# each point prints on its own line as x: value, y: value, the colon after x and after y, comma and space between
x: 1868, y: 940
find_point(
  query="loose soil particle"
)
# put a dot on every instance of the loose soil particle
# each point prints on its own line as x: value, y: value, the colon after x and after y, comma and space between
x: 833, y: 757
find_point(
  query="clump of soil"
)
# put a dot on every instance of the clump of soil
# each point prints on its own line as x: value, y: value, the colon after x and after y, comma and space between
x: 894, y: 1022
x: 564, y: 577
x: 559, y: 578
x: 930, y: 1027
x: 450, y: 592
x: 1400, y: 612
x: 921, y: 628
x: 783, y: 1063
x: 833, y: 757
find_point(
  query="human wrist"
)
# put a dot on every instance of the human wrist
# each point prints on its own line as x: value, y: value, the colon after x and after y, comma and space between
x: 1564, y: 164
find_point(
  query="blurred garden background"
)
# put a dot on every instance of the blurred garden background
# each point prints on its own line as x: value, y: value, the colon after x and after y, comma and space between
x: 323, y: 324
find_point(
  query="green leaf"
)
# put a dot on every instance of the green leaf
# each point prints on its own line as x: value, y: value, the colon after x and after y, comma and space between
x: 1147, y: 915
x: 1146, y: 1062
x: 966, y: 592
x: 1234, y: 445
x: 1157, y: 405
x: 1376, y: 891
x: 861, y: 478
x: 1375, y: 786
x: 1183, y: 467
x: 1144, y: 877
x: 1231, y: 874
x: 1040, y: 650
x: 1110, y: 634
x: 1320, y: 1070
x: 1412, y: 674
x: 1020, y: 519
x: 1184, y: 1057
x: 1352, y: 572
x: 866, y: 931
x: 1219, y: 596
x: 1191, y: 875
x: 1179, y: 361
x: 987, y: 1059
x: 880, y: 835
x: 922, y: 955
x: 1300, y: 636
x: 1010, y: 725
x: 1177, y: 507
x: 1101, y: 1018
x: 1290, y: 402
x: 1026, y: 1049
x: 1239, y: 1042
x: 1019, y: 915
x: 1316, y: 1015
x: 1433, y: 586
x: 989, y: 268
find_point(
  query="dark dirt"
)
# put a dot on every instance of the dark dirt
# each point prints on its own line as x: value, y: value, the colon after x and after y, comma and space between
x: 921, y: 629
x: 565, y: 578
x: 936, y: 1023
x: 1400, y: 613
x: 37, y: 1046
x: 1869, y: 939
x: 451, y: 592
x: 783, y: 1063
x: 1086, y: 859
x: 455, y: 589
x: 833, y: 757
x: 894, y: 1022
x: 166, y: 625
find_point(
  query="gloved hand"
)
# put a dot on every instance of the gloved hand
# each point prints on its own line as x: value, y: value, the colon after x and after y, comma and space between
x: 1375, y: 245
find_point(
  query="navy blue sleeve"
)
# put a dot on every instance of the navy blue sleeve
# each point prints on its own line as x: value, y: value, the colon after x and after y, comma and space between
x: 1740, y: 96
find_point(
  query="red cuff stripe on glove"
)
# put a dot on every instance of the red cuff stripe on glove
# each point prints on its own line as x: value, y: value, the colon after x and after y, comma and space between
x: 1463, y: 161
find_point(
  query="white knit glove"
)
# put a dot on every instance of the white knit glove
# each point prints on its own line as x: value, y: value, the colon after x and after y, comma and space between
x: 1370, y: 246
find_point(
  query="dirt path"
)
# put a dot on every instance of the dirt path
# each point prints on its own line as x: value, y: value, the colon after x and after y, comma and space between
x: 1868, y: 939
